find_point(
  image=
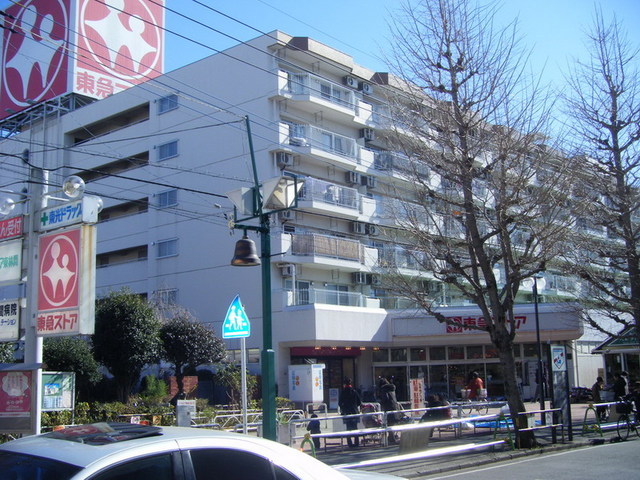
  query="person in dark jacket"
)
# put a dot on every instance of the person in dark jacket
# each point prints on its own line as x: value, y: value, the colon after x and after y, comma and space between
x: 389, y: 403
x: 596, y: 394
x: 619, y: 387
x: 436, y: 412
x: 314, y: 427
x: 349, y: 403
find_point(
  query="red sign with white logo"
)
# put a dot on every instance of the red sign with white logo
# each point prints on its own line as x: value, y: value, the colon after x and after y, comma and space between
x: 35, y: 45
x: 66, y: 282
x: 122, y: 45
x: 59, y: 270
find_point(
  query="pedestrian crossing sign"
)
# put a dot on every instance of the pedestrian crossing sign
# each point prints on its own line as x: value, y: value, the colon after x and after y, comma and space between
x: 236, y: 323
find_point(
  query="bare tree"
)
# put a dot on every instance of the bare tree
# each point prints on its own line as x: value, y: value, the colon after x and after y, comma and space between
x: 604, y: 103
x: 488, y: 193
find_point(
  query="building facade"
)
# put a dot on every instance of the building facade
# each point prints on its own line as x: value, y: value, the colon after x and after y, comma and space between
x: 163, y: 155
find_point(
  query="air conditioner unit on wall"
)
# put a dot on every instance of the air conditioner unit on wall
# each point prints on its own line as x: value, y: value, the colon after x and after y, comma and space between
x: 371, y: 229
x: 369, y: 181
x: 353, y: 178
x: 284, y: 159
x: 288, y: 270
x: 366, y: 88
x: 286, y: 215
x: 360, y: 278
x: 350, y: 81
x: 358, y: 227
x: 368, y: 134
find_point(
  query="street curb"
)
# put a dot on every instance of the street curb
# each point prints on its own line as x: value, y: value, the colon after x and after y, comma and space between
x: 496, y: 457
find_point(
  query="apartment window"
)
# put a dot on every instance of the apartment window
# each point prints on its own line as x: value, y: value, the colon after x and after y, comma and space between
x: 165, y: 104
x: 168, y: 296
x: 167, y: 248
x: 168, y: 198
x: 168, y: 150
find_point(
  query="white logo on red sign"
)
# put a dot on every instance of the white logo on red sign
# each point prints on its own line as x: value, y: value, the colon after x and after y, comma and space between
x: 59, y: 270
x: 34, y: 53
x: 122, y: 37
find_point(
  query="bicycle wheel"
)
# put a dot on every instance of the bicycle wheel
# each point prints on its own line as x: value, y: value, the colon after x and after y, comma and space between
x: 466, y: 409
x: 623, y: 427
x: 483, y: 407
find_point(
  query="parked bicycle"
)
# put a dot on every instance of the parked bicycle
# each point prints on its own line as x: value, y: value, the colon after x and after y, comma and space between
x: 480, y: 404
x: 628, y: 419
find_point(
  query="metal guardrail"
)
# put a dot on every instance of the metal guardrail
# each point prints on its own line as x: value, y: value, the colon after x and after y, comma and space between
x: 598, y: 426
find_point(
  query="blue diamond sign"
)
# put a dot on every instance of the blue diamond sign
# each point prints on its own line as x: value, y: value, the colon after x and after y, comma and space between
x: 236, y: 323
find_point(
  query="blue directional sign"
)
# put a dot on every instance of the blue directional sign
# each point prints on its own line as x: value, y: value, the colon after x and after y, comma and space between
x: 236, y: 323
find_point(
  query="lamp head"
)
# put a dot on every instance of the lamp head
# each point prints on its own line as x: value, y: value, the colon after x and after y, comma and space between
x: 6, y: 206
x: 73, y: 186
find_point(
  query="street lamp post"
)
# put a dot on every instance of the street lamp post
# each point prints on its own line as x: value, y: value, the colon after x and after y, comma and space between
x: 38, y: 196
x: 281, y: 196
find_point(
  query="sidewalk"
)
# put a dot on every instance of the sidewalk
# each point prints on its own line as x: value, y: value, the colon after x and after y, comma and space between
x: 451, y: 462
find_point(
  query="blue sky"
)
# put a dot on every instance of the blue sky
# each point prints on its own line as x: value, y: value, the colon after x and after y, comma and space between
x: 552, y: 28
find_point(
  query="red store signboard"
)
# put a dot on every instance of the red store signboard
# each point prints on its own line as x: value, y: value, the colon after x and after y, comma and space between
x: 66, y: 282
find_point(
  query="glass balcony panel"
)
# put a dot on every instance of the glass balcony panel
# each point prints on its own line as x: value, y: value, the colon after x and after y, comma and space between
x: 314, y: 86
x: 327, y: 192
x: 324, y: 297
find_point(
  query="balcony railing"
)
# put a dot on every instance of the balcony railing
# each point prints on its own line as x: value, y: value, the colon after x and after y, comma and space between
x: 308, y: 84
x: 309, y: 136
x: 400, y: 257
x: 399, y: 164
x: 327, y: 192
x: 313, y: 244
x: 323, y: 296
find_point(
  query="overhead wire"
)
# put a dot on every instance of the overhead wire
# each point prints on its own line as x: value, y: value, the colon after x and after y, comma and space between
x: 207, y: 46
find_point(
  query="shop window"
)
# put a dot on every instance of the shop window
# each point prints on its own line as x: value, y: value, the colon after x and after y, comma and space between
x: 490, y: 352
x: 530, y: 350
x: 380, y: 355
x: 438, y: 382
x: 418, y: 372
x: 418, y: 354
x: 437, y: 353
x: 456, y: 353
x: 474, y: 352
x: 398, y: 354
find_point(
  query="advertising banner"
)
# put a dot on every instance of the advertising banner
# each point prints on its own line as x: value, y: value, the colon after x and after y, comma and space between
x: 95, y: 48
x: 10, y: 262
x: 122, y: 43
x: 35, y: 46
x: 9, y: 320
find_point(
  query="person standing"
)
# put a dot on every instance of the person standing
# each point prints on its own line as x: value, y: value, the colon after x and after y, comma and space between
x: 389, y: 403
x: 596, y: 392
x: 619, y: 387
x: 314, y: 427
x: 349, y: 403
x: 475, y: 385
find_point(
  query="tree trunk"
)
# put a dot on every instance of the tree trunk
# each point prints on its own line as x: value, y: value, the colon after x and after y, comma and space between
x: 180, y: 381
x: 514, y: 398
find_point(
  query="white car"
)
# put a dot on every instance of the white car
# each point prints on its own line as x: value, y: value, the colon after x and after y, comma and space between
x: 119, y: 451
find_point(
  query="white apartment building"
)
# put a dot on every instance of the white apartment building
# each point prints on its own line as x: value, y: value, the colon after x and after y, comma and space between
x: 162, y: 156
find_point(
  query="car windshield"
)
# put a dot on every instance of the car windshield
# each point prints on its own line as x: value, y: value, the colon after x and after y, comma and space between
x: 16, y: 466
